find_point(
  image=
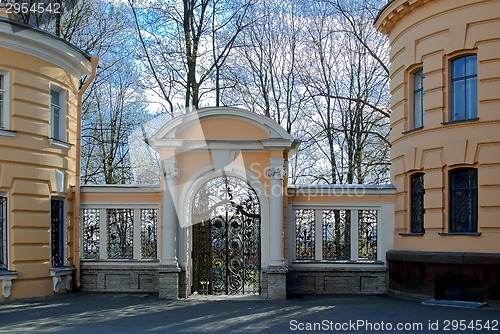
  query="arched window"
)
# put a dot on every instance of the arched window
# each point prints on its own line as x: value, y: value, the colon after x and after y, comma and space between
x: 464, y: 88
x: 418, y: 99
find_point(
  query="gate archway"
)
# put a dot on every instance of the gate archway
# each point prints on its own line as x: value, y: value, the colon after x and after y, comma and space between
x: 226, y: 240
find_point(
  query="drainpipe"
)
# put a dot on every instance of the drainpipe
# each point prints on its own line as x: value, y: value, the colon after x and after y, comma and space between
x: 94, y: 60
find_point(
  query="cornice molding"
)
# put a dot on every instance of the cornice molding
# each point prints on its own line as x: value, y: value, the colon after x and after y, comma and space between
x: 44, y: 46
x: 391, y: 14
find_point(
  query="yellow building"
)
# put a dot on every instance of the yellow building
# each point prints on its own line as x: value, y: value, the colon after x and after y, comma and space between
x: 40, y: 124
x: 445, y: 80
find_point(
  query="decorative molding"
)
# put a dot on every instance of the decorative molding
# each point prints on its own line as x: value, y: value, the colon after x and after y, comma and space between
x: 392, y: 13
x: 60, y: 144
x: 170, y: 169
x: 7, y: 133
x: 6, y: 277
x: 57, y: 278
x: 276, y: 172
x: 29, y: 40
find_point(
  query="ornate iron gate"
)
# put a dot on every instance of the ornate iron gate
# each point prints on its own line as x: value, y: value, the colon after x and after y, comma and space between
x: 226, y: 244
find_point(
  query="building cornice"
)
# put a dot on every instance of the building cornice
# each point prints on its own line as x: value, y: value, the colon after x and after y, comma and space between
x: 35, y: 42
x: 392, y: 13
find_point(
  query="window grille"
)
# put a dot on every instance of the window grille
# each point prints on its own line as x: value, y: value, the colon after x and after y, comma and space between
x: 57, y: 232
x: 417, y: 203
x: 463, y: 200
x: 3, y: 233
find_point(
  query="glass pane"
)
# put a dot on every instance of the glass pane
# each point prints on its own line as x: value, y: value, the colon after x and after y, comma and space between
x: 1, y: 82
x: 458, y: 68
x: 418, y: 110
x: 54, y: 97
x: 471, y: 65
x: 458, y: 102
x: 418, y: 80
x: 471, y: 98
x: 1, y: 110
x: 55, y: 122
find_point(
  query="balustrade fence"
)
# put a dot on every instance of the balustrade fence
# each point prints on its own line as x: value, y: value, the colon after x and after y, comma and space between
x: 119, y: 233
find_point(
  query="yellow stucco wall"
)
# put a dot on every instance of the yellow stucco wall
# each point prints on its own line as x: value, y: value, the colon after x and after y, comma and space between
x: 429, y: 34
x: 28, y: 164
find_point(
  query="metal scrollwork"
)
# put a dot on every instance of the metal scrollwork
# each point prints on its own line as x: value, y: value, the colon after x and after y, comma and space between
x: 226, y: 242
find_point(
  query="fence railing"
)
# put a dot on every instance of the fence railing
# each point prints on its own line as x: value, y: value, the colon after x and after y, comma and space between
x: 119, y: 233
x: 337, y: 225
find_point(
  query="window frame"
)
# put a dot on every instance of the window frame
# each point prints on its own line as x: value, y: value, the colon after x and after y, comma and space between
x: 58, y: 237
x: 454, y: 204
x: 415, y: 226
x: 453, y: 117
x: 61, y: 131
x: 5, y: 106
x: 416, y: 91
x: 4, y: 232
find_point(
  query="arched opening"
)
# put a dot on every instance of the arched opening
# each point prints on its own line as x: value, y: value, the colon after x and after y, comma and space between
x: 226, y: 245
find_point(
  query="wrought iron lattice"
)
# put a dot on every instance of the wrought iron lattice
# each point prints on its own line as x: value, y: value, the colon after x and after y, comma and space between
x: 304, y: 234
x: 120, y: 224
x: 90, y: 233
x: 417, y: 203
x: 149, y: 234
x: 336, y: 227
x: 57, y: 232
x: 226, y: 242
x: 463, y: 200
x: 367, y: 235
x: 3, y: 233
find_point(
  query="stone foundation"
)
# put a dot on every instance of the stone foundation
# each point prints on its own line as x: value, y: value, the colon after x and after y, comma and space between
x: 330, y: 281
x: 274, y: 283
x: 168, y: 282
x: 445, y: 275
x: 119, y: 277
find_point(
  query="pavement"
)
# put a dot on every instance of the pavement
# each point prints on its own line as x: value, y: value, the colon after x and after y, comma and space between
x: 145, y: 313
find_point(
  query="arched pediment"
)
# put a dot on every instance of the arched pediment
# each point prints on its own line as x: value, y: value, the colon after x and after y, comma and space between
x: 217, y: 127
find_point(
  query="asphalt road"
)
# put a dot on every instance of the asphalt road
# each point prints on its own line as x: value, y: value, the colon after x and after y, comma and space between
x: 143, y: 313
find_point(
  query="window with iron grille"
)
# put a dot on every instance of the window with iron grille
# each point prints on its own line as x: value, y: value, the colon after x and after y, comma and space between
x: 463, y: 200
x: 3, y: 232
x: 417, y: 203
x: 57, y: 232
x: 2, y: 99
